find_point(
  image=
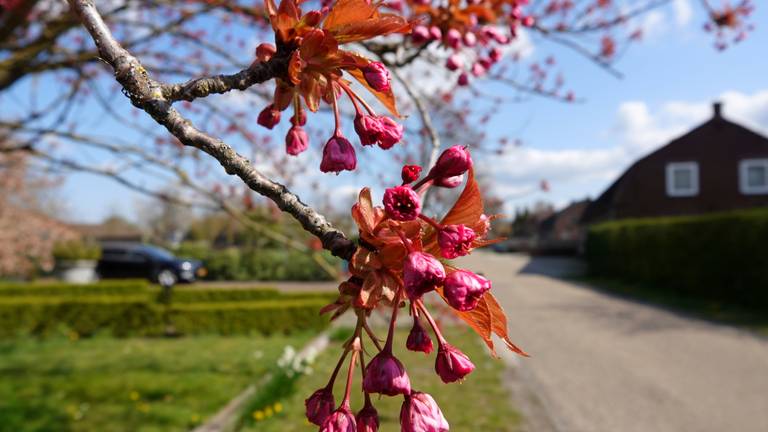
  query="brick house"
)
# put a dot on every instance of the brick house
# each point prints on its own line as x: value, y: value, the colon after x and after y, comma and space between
x: 718, y: 166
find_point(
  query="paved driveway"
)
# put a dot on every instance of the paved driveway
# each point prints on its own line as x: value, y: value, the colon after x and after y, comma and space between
x: 601, y: 363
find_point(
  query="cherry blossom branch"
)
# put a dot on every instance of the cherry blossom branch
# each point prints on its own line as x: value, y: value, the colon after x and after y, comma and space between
x: 148, y: 95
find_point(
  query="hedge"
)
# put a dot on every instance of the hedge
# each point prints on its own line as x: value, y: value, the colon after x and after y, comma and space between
x: 720, y: 257
x: 41, y: 316
x: 265, y: 317
x: 101, y: 288
x: 183, y: 294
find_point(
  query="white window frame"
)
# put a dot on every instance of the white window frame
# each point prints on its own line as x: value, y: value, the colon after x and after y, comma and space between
x: 744, y: 187
x: 693, y: 167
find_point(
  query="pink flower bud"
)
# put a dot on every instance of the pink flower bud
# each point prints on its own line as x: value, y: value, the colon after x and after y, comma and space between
x: 390, y: 133
x: 269, y: 117
x: 529, y: 21
x: 478, y: 69
x: 449, y: 182
x: 470, y: 39
x: 338, y: 155
x: 386, y: 375
x: 463, y: 79
x: 419, y: 34
x: 453, y: 38
x: 454, y: 62
x: 451, y: 364
x: 495, y: 54
x: 464, y: 289
x: 319, y: 406
x: 455, y: 240
x: 402, y: 203
x: 367, y: 419
x: 485, y: 227
x: 299, y: 118
x: 367, y: 128
x: 410, y: 173
x: 435, y: 33
x: 422, y: 273
x: 377, y: 76
x: 420, y: 413
x: 418, y: 339
x: 296, y: 141
x: 452, y: 162
x: 340, y: 420
x: 265, y: 51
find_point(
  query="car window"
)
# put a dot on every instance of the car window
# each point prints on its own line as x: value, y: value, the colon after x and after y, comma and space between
x: 157, y: 253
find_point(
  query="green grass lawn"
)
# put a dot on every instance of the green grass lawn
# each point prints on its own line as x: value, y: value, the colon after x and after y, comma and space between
x: 716, y: 311
x: 480, y: 403
x: 113, y: 385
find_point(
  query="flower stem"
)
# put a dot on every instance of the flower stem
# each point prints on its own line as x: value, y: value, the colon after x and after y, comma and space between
x: 430, y: 221
x: 350, y: 372
x: 431, y: 322
x: 391, y: 333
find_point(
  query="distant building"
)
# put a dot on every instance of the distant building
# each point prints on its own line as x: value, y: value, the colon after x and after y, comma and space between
x: 718, y: 166
x: 562, y: 232
x: 114, y: 229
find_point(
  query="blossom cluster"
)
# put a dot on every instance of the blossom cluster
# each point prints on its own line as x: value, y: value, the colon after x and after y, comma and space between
x: 315, y: 70
x: 730, y: 19
x: 401, y: 259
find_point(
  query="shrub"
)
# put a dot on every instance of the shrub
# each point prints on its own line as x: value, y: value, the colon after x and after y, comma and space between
x: 720, y: 257
x: 73, y: 250
x: 265, y: 317
x: 107, y: 287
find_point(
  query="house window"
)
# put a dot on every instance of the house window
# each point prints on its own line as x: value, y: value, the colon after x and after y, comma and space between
x: 753, y: 176
x: 682, y: 179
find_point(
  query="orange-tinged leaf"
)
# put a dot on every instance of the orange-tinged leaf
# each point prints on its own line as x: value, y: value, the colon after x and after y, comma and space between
x: 363, y: 212
x: 370, y: 28
x: 371, y: 291
x: 271, y: 7
x: 386, y: 98
x: 499, y: 323
x: 347, y: 12
x: 469, y: 207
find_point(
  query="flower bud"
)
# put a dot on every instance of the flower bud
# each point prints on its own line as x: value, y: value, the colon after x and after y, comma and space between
x: 449, y: 182
x: 312, y: 18
x: 452, y: 162
x: 470, y: 39
x: 463, y: 79
x: 386, y: 375
x: 422, y: 273
x: 420, y: 413
x: 338, y: 155
x: 478, y: 69
x: 340, y: 420
x: 377, y: 76
x: 269, y: 117
x: 367, y: 128
x: 390, y: 133
x: 435, y: 33
x: 485, y: 226
x: 454, y: 62
x: 410, y: 173
x: 495, y: 54
x: 418, y: 338
x: 296, y: 141
x: 420, y: 34
x: 402, y: 203
x: 367, y: 419
x: 453, y: 38
x: 319, y: 406
x: 464, y: 289
x: 451, y: 364
x: 455, y: 240
x: 265, y: 51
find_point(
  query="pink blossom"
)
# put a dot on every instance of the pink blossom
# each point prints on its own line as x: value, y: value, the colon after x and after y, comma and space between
x: 418, y: 339
x: 420, y: 413
x: 422, y: 273
x: 451, y: 364
x: 296, y: 141
x: 385, y: 374
x: 495, y: 54
x: 377, y: 76
x: 478, y: 69
x: 453, y: 38
x: 319, y: 406
x: 435, y: 33
x: 420, y: 34
x: 269, y: 117
x: 452, y: 162
x: 470, y: 39
x: 402, y: 203
x: 463, y: 79
x: 338, y: 155
x: 464, y: 289
x: 410, y: 173
x: 340, y: 420
x: 367, y: 419
x: 390, y: 133
x: 449, y: 182
x: 485, y: 227
x: 367, y: 128
x: 454, y: 62
x: 455, y: 240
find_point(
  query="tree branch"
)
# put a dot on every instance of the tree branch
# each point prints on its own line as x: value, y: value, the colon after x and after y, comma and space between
x: 147, y: 94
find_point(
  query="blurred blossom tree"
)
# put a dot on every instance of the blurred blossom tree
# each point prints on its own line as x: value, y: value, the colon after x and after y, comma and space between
x: 347, y: 59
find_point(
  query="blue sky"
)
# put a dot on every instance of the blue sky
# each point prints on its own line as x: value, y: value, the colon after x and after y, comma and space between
x: 670, y: 80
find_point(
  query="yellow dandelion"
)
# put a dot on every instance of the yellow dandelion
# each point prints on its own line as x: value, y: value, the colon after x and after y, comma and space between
x: 258, y: 415
x: 278, y: 407
x: 134, y: 395
x: 268, y: 412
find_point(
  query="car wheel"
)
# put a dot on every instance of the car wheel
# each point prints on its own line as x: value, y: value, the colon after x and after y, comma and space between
x: 166, y: 278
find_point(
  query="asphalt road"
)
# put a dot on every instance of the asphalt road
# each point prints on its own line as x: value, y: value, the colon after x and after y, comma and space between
x: 601, y: 363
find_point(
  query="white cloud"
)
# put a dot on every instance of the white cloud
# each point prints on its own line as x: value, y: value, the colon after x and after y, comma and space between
x: 683, y: 12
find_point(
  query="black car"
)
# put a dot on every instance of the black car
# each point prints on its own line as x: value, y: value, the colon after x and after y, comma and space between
x: 137, y: 260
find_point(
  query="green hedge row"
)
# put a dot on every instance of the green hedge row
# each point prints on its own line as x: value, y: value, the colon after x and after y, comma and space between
x: 721, y: 257
x: 101, y: 288
x: 183, y: 295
